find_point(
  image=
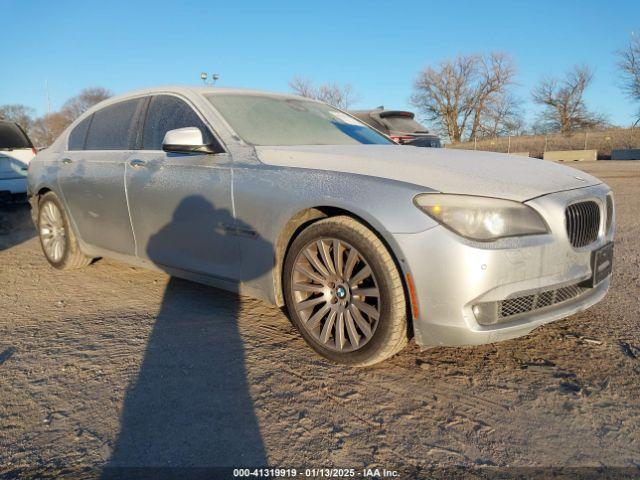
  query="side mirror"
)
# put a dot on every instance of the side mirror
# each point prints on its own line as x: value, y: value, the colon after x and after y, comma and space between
x: 186, y: 140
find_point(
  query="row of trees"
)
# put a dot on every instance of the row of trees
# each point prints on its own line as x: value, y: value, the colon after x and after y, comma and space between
x: 471, y: 96
x: 45, y: 129
x: 466, y: 98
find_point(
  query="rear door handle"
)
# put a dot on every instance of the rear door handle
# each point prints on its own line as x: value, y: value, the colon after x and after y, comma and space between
x: 67, y: 161
x: 137, y: 163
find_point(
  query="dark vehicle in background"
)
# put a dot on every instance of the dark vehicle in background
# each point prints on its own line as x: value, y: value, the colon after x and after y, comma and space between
x: 401, y: 126
x: 16, y: 151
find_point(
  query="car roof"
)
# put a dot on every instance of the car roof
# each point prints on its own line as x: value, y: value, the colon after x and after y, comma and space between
x: 201, y: 90
x: 185, y: 90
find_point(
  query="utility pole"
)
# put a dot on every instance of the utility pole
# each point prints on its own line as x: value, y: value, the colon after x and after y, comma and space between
x: 46, y: 94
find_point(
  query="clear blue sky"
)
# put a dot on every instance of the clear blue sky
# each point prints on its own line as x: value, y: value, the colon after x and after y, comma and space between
x: 378, y: 47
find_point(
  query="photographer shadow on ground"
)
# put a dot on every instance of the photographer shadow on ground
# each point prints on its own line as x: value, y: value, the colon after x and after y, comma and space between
x: 190, y: 405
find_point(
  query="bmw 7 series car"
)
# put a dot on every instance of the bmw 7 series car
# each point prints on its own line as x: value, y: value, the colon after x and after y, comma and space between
x: 366, y: 243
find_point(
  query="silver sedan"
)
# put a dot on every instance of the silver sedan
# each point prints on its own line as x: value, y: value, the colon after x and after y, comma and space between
x: 366, y: 243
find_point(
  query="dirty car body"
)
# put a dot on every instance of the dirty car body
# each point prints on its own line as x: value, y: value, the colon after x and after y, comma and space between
x: 460, y: 290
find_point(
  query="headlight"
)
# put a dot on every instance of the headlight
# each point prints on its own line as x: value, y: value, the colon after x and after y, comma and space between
x: 481, y: 218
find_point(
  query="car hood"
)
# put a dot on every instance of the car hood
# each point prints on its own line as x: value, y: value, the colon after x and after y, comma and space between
x: 445, y: 170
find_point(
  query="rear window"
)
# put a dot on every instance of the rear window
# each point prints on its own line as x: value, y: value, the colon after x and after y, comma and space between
x: 404, y: 124
x: 78, y: 135
x: 12, y: 137
x: 112, y: 128
x: 375, y: 124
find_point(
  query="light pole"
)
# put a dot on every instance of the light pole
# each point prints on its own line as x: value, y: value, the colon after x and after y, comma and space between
x: 205, y: 75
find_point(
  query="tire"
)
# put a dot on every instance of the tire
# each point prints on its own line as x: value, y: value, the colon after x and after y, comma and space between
x: 332, y: 281
x: 66, y: 254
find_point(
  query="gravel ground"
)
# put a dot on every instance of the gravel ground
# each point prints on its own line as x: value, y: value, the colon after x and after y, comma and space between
x: 119, y: 366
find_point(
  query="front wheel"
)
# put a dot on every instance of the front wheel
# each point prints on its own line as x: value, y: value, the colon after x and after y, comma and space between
x: 58, y: 242
x: 344, y: 293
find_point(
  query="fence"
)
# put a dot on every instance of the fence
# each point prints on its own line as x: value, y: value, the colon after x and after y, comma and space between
x: 626, y: 154
x: 601, y: 140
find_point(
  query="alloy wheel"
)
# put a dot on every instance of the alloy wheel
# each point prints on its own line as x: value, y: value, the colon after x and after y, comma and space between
x: 52, y: 231
x: 336, y: 294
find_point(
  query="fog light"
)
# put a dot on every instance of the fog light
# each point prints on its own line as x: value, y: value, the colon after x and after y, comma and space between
x: 486, y: 313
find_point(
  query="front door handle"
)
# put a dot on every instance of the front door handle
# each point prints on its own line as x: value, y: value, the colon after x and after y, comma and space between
x: 137, y: 163
x: 66, y: 161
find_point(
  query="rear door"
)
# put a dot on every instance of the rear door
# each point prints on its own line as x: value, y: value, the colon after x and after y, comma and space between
x: 91, y: 175
x: 181, y: 207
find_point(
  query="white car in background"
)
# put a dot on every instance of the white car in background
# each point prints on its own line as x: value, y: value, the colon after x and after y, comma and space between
x: 16, y: 152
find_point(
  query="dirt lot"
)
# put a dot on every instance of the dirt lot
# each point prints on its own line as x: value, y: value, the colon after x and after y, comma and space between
x: 119, y: 366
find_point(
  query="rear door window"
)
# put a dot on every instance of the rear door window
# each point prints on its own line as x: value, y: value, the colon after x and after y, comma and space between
x: 113, y: 127
x: 78, y: 135
x: 12, y: 137
x: 166, y: 112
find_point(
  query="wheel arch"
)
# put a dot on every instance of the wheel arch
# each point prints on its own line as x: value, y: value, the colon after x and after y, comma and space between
x: 34, y: 201
x: 306, y: 217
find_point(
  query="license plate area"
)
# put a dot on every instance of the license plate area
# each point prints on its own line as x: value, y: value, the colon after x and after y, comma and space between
x: 601, y: 265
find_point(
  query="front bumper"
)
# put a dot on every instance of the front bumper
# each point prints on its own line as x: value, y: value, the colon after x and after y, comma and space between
x: 451, y: 275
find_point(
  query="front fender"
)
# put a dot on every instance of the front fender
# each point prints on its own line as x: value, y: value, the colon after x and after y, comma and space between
x: 266, y: 198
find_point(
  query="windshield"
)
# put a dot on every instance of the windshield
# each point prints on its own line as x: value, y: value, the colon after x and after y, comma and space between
x: 404, y: 124
x: 11, y: 137
x: 263, y: 120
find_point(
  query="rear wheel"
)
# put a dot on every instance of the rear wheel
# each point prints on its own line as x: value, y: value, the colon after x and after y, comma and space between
x: 58, y: 241
x: 344, y: 292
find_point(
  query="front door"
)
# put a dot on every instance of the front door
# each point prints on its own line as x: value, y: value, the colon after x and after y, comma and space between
x: 180, y: 204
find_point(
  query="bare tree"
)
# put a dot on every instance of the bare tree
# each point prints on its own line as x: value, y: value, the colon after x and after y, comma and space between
x: 340, y: 96
x: 303, y: 87
x: 87, y: 98
x: 629, y: 64
x: 565, y: 109
x: 496, y: 73
x: 47, y: 128
x: 44, y: 130
x: 20, y: 114
x: 456, y: 95
x: 502, y: 117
